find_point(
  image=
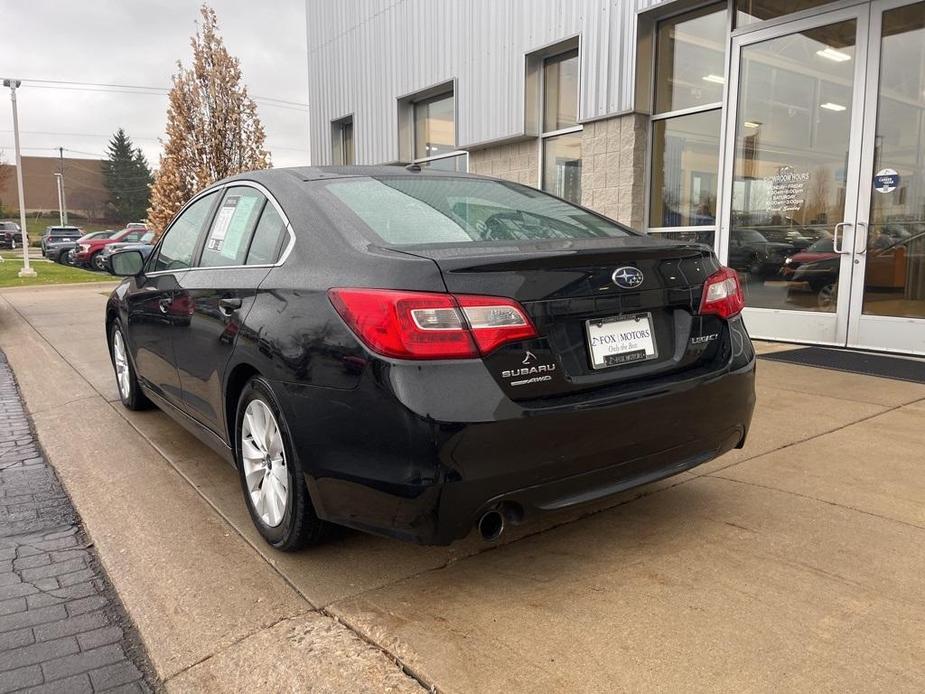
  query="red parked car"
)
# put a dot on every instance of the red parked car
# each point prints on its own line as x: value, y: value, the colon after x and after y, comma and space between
x: 88, y: 252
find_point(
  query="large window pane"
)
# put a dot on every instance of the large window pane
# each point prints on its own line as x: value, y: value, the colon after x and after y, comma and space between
x: 690, y: 60
x: 342, y: 142
x: 560, y: 92
x: 894, y: 280
x: 348, y: 143
x: 434, y: 127
x: 685, y: 161
x: 751, y: 11
x: 562, y: 166
x: 792, y: 134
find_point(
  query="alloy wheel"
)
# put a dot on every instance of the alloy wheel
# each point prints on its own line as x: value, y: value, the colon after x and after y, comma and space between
x: 120, y: 359
x: 264, y: 459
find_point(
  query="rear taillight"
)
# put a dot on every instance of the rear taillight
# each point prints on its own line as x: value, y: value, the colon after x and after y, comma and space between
x: 722, y: 294
x: 421, y: 325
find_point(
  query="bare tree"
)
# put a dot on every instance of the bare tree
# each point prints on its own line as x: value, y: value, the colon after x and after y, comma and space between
x: 213, y: 130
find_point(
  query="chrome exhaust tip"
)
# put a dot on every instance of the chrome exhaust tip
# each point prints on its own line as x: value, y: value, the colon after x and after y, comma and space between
x: 491, y: 525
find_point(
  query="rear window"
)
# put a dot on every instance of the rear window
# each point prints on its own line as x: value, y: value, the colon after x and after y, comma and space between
x: 69, y: 233
x: 411, y: 210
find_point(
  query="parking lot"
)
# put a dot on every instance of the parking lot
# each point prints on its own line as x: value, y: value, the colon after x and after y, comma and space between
x: 794, y: 564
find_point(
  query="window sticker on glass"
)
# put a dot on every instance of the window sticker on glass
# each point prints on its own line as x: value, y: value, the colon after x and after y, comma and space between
x: 237, y: 229
x: 220, y: 228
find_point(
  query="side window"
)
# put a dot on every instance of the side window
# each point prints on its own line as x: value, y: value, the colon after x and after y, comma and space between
x: 265, y: 246
x: 132, y: 237
x: 231, y: 231
x: 176, y: 251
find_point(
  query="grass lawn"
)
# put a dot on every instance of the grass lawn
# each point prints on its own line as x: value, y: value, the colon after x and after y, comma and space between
x: 48, y: 273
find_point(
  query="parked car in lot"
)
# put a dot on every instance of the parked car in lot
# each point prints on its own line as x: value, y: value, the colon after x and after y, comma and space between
x: 89, y: 253
x: 751, y: 252
x: 145, y: 245
x: 10, y: 236
x: 59, y: 250
x: 59, y: 234
x: 420, y: 353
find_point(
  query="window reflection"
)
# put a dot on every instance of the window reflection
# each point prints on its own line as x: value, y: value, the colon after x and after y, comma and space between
x: 434, y: 127
x: 685, y: 160
x: 690, y: 60
x: 791, y: 147
x: 560, y: 91
x: 562, y: 166
x: 894, y: 279
x: 751, y: 11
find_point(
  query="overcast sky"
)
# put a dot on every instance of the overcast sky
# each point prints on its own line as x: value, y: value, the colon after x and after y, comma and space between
x: 137, y: 42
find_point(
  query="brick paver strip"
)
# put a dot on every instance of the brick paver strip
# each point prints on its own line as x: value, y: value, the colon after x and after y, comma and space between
x: 61, y: 628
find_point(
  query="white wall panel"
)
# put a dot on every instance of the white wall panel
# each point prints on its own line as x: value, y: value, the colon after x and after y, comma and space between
x: 365, y: 54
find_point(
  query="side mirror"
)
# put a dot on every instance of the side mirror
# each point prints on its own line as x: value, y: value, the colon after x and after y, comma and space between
x: 127, y: 263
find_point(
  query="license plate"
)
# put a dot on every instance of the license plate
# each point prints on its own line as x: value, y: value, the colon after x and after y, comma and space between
x: 621, y: 340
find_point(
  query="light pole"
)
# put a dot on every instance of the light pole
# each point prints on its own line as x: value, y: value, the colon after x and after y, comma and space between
x: 59, y: 179
x: 26, y: 270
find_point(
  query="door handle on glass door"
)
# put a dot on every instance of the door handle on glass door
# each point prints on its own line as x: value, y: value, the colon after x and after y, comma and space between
x: 863, y: 250
x: 835, y: 238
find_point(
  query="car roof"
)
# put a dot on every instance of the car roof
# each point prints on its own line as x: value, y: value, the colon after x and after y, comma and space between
x: 317, y: 173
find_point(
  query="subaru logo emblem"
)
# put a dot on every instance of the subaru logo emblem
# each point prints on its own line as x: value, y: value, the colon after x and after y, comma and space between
x: 627, y: 277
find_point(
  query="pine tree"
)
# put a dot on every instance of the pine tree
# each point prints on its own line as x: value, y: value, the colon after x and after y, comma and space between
x: 128, y: 179
x: 212, y: 126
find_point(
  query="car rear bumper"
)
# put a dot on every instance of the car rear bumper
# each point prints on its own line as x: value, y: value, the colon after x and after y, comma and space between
x: 421, y: 474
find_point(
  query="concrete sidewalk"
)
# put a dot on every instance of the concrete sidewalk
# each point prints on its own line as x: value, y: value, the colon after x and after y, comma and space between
x: 794, y: 564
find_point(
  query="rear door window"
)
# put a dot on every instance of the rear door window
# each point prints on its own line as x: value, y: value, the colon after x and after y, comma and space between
x: 268, y: 237
x: 231, y: 231
x: 179, y: 244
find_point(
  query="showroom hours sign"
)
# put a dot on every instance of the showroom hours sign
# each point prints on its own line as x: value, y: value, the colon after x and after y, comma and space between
x: 786, y: 189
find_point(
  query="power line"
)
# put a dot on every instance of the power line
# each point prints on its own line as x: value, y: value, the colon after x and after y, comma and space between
x: 45, y: 132
x: 143, y: 89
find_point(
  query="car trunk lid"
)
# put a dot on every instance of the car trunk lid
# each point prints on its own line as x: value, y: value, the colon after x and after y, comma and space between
x: 581, y: 294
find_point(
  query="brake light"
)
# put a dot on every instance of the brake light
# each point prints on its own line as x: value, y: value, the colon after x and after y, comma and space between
x: 422, y: 325
x: 722, y: 294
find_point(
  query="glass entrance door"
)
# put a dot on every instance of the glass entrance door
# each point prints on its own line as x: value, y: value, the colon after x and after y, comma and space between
x: 793, y: 155
x: 888, y: 284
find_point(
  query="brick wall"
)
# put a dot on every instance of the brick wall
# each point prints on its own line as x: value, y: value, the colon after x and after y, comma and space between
x: 613, y: 179
x: 518, y: 161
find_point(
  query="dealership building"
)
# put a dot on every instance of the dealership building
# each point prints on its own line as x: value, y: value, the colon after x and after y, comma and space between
x: 787, y: 134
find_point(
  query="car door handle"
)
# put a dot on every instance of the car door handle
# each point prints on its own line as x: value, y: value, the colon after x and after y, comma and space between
x: 229, y: 304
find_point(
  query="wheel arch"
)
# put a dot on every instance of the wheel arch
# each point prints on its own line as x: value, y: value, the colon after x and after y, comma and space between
x: 237, y: 379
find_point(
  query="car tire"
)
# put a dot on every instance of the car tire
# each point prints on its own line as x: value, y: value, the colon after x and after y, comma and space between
x: 62, y: 258
x: 280, y: 506
x: 126, y: 381
x: 97, y: 263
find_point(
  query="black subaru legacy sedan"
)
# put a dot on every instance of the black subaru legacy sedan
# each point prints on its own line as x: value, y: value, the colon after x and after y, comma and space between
x: 421, y: 353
